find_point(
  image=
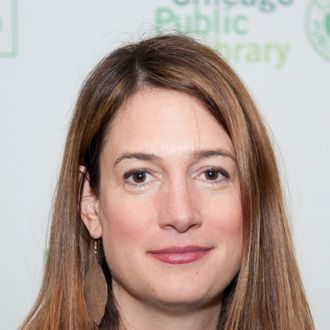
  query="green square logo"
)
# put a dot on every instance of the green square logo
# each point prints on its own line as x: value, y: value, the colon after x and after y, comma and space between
x: 8, y: 28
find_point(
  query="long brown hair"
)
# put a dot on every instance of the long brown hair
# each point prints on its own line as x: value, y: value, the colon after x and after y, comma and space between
x: 267, y: 293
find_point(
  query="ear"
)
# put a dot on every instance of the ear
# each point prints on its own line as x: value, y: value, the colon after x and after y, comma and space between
x: 89, y: 206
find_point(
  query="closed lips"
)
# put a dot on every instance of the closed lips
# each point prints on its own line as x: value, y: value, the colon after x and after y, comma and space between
x: 181, y: 249
x: 180, y: 255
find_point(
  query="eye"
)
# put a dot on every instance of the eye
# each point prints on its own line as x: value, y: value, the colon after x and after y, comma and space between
x: 214, y: 175
x: 137, y: 177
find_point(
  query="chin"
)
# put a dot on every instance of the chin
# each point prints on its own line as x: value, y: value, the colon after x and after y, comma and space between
x: 185, y: 297
x: 181, y: 304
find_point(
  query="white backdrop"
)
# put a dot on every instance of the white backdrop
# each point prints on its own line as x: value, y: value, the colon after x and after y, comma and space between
x: 280, y: 48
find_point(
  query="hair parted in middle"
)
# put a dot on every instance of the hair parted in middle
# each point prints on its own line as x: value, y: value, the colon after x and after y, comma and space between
x: 267, y: 292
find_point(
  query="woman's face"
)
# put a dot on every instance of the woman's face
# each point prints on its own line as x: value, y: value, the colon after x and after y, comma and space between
x: 169, y: 208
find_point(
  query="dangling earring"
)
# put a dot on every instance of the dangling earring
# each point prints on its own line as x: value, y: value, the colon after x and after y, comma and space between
x: 95, y: 289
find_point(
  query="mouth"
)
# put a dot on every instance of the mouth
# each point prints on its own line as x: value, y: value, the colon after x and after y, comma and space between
x: 180, y: 255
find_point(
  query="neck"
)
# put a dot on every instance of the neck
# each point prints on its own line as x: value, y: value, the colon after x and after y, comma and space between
x: 136, y: 314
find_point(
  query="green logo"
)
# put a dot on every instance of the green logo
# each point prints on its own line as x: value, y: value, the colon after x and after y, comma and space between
x: 318, y: 26
x: 8, y: 28
x: 229, y: 27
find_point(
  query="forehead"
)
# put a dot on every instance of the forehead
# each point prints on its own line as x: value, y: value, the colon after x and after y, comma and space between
x: 161, y: 120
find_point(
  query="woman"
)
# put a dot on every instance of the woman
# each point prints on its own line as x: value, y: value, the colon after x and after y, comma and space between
x: 170, y: 184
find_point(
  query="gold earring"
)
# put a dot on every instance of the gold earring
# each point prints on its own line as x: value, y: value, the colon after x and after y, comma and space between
x: 95, y: 289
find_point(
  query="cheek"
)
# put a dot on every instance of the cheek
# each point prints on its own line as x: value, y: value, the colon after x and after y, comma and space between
x: 123, y: 229
x: 225, y: 225
x: 125, y: 222
x: 224, y: 217
x: 227, y: 208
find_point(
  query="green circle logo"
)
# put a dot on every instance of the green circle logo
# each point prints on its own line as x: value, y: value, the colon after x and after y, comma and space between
x: 318, y: 26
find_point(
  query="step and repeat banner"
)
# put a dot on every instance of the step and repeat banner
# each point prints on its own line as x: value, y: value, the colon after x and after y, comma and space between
x: 281, y: 50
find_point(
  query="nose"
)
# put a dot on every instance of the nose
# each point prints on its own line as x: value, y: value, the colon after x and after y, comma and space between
x: 178, y: 210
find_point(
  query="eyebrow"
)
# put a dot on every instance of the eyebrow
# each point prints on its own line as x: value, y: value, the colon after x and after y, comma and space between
x: 196, y: 155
